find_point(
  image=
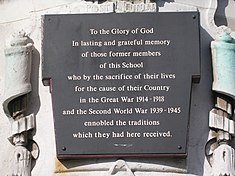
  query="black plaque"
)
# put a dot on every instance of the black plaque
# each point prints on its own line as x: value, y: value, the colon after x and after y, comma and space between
x: 121, y: 83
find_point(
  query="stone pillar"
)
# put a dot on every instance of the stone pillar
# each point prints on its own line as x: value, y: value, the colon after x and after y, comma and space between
x: 221, y: 155
x: 17, y: 87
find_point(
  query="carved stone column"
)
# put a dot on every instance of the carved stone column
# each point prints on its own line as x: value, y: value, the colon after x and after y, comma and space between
x: 220, y: 154
x: 17, y: 86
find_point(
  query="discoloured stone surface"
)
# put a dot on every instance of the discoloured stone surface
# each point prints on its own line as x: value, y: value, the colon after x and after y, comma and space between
x: 16, y: 15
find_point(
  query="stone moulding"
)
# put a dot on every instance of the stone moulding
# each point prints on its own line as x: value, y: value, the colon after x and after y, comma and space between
x: 223, y: 53
x: 131, y: 167
x: 124, y: 6
x: 18, y: 69
x: 17, y: 87
x: 220, y: 155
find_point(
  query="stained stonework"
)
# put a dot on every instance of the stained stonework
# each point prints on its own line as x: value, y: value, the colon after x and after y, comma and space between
x: 17, y: 15
x: 17, y: 86
x: 220, y: 120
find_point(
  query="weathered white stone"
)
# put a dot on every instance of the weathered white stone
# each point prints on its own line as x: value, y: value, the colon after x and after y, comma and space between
x: 23, y: 124
x: 17, y: 70
x: 223, y: 161
x: 108, y: 166
x: 125, y: 6
x: 176, y: 7
x: 120, y: 165
x: 219, y: 120
x: 17, y: 86
x: 24, y: 14
x: 99, y: 8
x: 21, y: 162
x: 224, y: 105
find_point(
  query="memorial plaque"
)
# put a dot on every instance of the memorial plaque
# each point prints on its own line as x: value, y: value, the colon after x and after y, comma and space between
x: 121, y: 83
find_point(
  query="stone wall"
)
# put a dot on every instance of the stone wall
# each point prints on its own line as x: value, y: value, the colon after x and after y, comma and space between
x: 26, y: 15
